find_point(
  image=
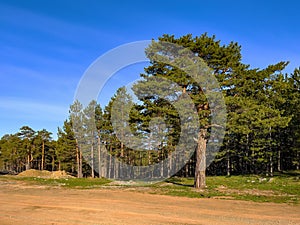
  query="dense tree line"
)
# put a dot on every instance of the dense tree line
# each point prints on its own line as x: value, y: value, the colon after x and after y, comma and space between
x: 27, y: 149
x: 262, y: 129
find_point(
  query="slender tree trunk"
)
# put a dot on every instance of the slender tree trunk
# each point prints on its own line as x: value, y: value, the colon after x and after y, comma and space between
x: 162, y: 165
x: 53, y: 163
x: 110, y: 162
x: 228, y: 158
x: 122, y: 144
x: 92, y: 160
x: 271, y: 152
x: 99, y: 156
x: 116, y: 174
x: 170, y: 164
x: 122, y: 150
x: 149, y: 158
x: 43, y: 155
x: 271, y: 166
x: 228, y: 163
x: 298, y: 158
x: 279, y: 161
x: 80, y: 164
x: 251, y: 168
x: 200, y: 179
x: 186, y: 169
x: 77, y: 159
x: 191, y: 166
x: 110, y: 167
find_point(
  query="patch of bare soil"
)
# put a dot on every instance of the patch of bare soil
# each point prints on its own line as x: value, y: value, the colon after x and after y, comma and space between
x: 61, y: 206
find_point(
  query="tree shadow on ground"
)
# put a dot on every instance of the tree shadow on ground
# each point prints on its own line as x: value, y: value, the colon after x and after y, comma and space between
x: 178, y: 181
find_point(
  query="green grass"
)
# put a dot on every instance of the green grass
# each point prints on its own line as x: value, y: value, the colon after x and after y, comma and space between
x: 282, y: 188
x: 63, y: 182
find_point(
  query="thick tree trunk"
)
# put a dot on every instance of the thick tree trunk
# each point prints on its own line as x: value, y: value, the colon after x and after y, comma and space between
x: 28, y: 162
x: 200, y: 179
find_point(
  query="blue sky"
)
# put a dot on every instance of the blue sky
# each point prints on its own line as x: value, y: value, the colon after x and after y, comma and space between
x: 46, y: 46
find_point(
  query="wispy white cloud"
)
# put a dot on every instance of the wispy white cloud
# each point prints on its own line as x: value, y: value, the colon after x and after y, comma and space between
x: 19, y: 109
x: 49, y: 77
x: 38, y: 86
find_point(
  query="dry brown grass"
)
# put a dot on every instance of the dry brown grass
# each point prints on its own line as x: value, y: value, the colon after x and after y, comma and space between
x: 44, y: 174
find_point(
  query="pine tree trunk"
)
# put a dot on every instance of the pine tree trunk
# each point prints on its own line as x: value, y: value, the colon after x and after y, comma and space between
x: 28, y: 162
x: 186, y: 170
x: 53, y: 163
x: 110, y: 163
x: 162, y: 165
x: 170, y: 165
x: 122, y: 150
x: 279, y: 161
x: 99, y: 156
x: 228, y: 163
x: 122, y: 138
x: 116, y: 174
x: 109, y: 167
x: 43, y: 155
x: 149, y: 158
x: 92, y: 161
x: 298, y: 158
x: 77, y: 160
x: 271, y: 166
x: 200, y: 179
x: 80, y: 164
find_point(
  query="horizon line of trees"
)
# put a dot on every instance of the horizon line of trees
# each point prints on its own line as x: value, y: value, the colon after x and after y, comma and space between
x: 262, y: 130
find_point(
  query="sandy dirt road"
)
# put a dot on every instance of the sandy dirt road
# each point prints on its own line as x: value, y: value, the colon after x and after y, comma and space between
x: 38, y: 205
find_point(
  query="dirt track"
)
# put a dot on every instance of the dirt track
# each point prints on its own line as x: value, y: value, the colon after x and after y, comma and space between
x: 36, y: 205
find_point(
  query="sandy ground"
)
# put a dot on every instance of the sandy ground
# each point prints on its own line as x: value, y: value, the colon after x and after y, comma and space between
x: 37, y: 205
